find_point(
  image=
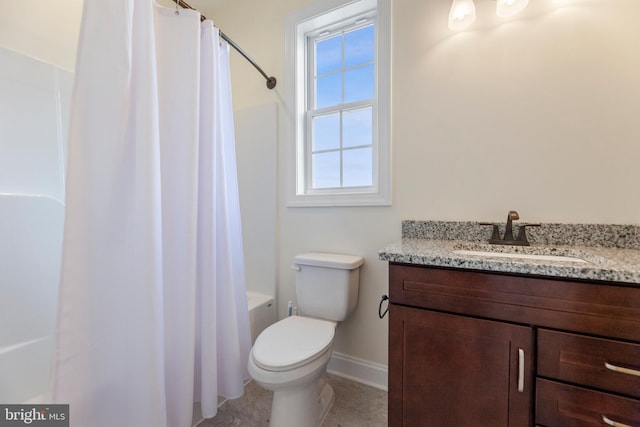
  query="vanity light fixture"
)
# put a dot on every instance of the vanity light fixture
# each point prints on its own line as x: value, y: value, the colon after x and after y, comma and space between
x: 462, y: 14
x: 507, y: 8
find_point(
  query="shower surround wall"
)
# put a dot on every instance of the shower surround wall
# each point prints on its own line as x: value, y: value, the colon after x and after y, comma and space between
x: 34, y: 104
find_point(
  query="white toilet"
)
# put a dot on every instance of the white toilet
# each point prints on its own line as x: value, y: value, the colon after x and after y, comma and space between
x: 290, y: 357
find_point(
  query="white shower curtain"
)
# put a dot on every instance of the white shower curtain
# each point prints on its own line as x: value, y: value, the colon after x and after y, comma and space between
x: 153, y: 314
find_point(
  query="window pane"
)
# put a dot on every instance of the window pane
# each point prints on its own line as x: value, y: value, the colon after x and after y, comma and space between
x: 326, y: 132
x: 356, y: 127
x: 326, y: 170
x: 358, y: 167
x: 329, y: 55
x: 358, y: 46
x: 329, y: 90
x: 358, y: 84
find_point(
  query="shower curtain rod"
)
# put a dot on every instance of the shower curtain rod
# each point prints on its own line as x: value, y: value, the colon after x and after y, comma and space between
x: 271, y: 81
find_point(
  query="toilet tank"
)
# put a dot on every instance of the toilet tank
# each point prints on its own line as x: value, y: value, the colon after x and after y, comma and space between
x: 327, y: 284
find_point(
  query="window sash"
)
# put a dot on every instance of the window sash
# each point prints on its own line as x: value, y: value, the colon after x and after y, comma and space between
x: 308, y: 148
x: 361, y: 21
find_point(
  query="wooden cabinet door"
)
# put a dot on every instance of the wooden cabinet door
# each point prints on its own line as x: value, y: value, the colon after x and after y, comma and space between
x: 455, y: 371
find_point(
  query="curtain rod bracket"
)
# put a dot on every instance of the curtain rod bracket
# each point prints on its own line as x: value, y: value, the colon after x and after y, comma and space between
x: 271, y: 81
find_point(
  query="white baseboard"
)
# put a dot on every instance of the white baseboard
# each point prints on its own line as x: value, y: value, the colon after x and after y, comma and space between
x: 359, y: 370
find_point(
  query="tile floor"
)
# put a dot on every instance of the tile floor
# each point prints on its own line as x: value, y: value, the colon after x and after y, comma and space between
x: 356, y: 405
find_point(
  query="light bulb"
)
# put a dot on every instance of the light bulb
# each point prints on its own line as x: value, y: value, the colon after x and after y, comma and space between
x: 507, y: 8
x: 462, y: 14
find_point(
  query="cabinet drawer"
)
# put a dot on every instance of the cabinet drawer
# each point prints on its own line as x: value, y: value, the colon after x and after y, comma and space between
x: 605, y: 364
x: 562, y: 405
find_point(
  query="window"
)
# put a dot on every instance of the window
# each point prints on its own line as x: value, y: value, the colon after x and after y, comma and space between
x: 338, y: 83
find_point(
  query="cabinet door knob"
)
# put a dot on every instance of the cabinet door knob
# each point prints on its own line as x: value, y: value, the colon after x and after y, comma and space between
x: 622, y: 370
x: 613, y: 423
x: 520, y: 370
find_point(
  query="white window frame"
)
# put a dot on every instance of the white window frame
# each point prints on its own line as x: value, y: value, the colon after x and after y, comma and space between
x: 322, y: 14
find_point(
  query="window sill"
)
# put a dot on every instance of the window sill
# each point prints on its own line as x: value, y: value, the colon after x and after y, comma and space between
x: 337, y: 200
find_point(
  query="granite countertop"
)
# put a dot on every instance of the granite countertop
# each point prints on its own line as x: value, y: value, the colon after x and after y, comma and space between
x: 608, y: 252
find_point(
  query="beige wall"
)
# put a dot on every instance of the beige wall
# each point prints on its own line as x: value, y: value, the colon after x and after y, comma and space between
x: 539, y: 114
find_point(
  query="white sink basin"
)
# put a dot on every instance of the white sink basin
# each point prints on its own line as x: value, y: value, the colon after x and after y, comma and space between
x: 519, y: 256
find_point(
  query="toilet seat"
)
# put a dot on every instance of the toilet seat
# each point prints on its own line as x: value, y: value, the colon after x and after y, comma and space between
x: 292, y: 342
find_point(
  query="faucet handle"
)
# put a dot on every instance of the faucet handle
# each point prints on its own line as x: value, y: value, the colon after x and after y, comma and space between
x: 522, y: 234
x: 495, y: 234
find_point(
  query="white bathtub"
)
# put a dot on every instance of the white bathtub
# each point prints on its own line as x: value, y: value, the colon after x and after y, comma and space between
x: 262, y: 312
x: 25, y: 370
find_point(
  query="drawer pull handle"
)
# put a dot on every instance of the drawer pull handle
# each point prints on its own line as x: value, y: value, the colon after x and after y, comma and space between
x: 622, y: 370
x: 520, y: 370
x: 610, y: 422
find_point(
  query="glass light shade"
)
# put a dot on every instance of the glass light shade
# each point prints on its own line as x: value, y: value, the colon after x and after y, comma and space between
x: 507, y: 8
x: 462, y: 14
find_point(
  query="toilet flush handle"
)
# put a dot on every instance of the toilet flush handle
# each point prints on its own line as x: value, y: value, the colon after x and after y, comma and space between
x: 296, y: 267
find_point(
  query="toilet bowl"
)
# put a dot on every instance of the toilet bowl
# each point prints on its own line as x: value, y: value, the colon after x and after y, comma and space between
x: 290, y: 357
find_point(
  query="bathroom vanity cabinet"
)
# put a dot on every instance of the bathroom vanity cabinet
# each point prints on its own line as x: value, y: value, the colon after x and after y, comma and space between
x: 471, y: 348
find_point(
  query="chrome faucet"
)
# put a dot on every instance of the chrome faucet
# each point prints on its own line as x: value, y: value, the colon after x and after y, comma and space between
x: 508, y: 238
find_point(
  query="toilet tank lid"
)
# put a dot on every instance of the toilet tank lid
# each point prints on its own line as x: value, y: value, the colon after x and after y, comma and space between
x: 322, y: 259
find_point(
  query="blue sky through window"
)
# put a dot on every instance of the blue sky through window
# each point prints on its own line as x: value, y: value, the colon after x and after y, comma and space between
x: 329, y: 55
x: 326, y: 167
x: 358, y: 46
x: 356, y: 127
x: 358, y: 83
x: 328, y: 90
x: 326, y: 132
x: 357, y: 167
